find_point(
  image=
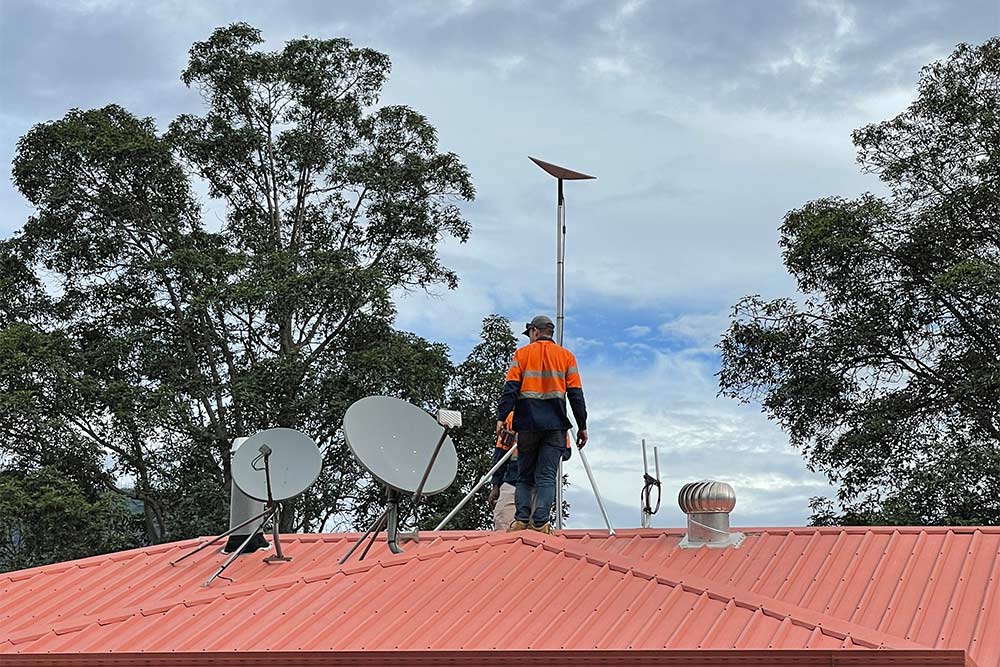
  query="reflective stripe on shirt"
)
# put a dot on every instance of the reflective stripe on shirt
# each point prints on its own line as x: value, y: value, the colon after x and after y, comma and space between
x: 544, y: 374
x: 543, y: 395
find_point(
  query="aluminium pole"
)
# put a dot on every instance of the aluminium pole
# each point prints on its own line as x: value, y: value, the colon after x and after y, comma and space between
x: 560, y: 261
x: 560, y: 267
x: 482, y: 482
x: 597, y: 492
x: 560, y: 317
x: 561, y: 174
x: 643, y: 517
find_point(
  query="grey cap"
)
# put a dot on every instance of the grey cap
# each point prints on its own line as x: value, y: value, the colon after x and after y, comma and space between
x: 539, y: 322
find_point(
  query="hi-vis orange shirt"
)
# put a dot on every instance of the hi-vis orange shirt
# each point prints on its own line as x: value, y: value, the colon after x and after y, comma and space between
x: 541, y: 378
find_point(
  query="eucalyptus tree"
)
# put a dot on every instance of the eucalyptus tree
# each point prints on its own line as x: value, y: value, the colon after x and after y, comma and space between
x: 886, y: 370
x: 155, y: 325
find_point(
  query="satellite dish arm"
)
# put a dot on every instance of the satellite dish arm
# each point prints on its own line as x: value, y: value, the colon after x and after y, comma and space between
x: 419, y: 493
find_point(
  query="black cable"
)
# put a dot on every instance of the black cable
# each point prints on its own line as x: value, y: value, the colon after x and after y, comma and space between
x: 647, y: 492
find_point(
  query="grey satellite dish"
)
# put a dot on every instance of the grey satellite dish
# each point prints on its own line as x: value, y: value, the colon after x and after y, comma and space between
x: 294, y: 464
x: 405, y: 449
x: 271, y: 466
x: 394, y: 441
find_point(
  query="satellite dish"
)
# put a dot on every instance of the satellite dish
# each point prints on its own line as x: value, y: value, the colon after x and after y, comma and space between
x: 395, y: 440
x: 274, y: 465
x: 294, y: 464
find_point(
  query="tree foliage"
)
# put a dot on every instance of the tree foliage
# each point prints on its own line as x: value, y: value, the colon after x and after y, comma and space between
x: 47, y: 516
x: 886, y: 373
x: 153, y: 327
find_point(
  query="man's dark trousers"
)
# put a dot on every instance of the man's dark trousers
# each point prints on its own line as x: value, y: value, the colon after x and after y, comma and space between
x: 538, y: 456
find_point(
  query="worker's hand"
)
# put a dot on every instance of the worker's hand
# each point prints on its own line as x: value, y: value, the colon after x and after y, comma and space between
x: 581, y: 438
x: 500, y: 427
x: 494, y: 496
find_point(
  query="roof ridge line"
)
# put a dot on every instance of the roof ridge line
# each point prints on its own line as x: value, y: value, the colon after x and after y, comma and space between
x: 15, y: 576
x: 575, y: 534
x: 671, y: 576
x: 206, y: 596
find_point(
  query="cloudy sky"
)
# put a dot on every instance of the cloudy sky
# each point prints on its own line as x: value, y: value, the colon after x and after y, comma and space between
x: 704, y: 121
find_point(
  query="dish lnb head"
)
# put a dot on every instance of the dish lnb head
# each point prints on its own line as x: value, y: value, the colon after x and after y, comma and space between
x: 449, y: 418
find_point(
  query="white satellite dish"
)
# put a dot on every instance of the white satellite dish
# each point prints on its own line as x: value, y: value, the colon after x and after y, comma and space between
x: 294, y: 464
x: 405, y: 449
x: 394, y: 441
x: 272, y: 466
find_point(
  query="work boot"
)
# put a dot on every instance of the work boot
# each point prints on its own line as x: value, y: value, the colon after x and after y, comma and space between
x: 517, y: 525
x: 544, y: 528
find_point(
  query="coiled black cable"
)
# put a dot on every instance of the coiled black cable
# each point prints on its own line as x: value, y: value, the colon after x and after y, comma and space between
x: 646, y: 494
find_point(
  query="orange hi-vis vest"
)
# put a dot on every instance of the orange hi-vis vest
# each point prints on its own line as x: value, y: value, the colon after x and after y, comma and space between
x: 544, y: 370
x: 542, y: 376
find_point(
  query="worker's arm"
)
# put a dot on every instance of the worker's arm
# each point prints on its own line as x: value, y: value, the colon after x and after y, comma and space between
x: 574, y: 392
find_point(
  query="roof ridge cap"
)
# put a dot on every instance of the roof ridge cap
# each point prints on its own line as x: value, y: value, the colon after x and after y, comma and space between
x: 207, y: 595
x: 90, y: 561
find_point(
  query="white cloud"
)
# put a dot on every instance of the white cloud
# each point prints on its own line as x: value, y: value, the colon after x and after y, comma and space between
x: 582, y: 344
x: 842, y: 14
x: 673, y: 405
x: 505, y: 65
x: 703, y: 328
x: 818, y: 63
x: 616, y: 21
x: 607, y: 67
x: 638, y: 331
x: 817, y: 52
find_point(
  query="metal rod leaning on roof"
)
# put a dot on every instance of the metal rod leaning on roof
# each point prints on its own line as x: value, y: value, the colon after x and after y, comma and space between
x: 593, y: 484
x: 482, y: 481
x: 270, y: 511
x: 375, y: 527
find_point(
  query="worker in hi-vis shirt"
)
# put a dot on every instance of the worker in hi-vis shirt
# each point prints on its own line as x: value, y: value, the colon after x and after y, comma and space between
x: 542, y: 376
x: 505, y: 477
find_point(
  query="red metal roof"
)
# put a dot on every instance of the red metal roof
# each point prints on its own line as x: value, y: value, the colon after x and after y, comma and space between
x: 819, y: 589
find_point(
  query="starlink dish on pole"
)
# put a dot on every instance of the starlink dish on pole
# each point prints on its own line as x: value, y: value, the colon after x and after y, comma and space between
x: 563, y: 174
x: 560, y: 174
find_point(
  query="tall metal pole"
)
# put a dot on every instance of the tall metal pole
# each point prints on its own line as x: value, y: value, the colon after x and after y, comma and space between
x: 560, y: 282
x: 560, y: 261
x: 561, y: 174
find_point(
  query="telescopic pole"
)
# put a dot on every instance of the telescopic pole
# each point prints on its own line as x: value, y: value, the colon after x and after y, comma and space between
x: 560, y: 314
x: 561, y: 174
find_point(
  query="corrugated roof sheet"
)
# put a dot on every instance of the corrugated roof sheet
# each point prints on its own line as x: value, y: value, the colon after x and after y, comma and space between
x: 936, y: 586
x: 863, y: 588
